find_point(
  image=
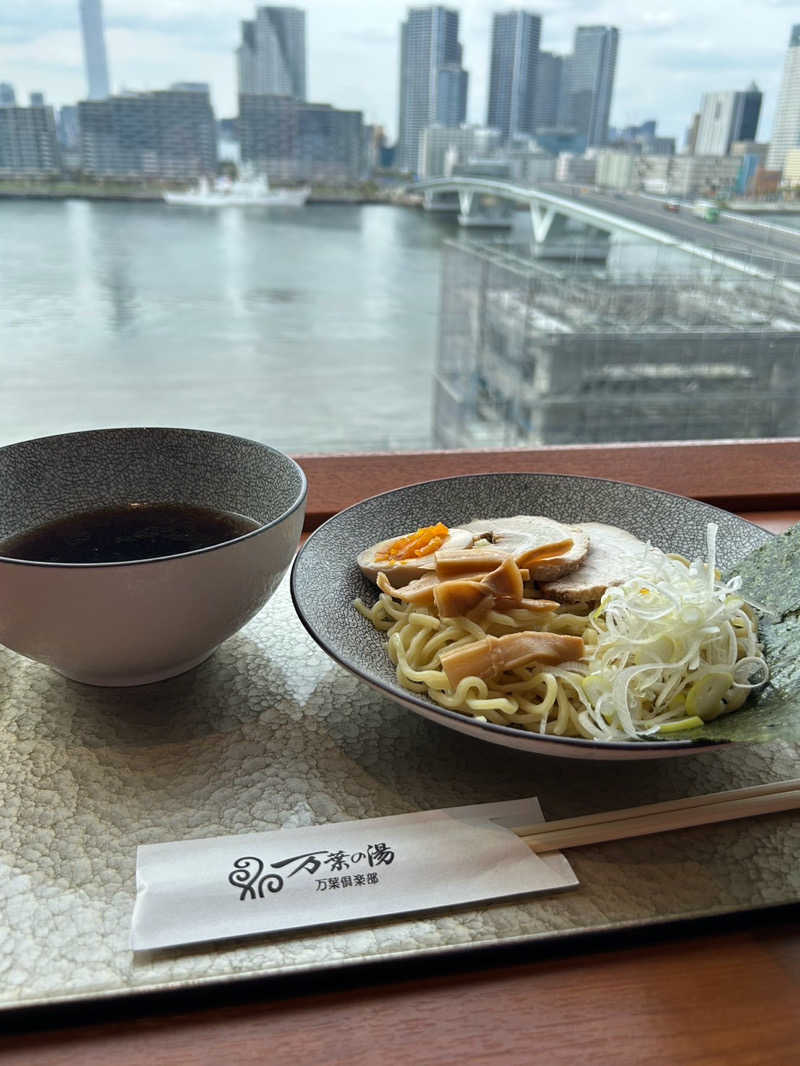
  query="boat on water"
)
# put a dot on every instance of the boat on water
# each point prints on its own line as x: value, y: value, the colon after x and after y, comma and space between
x: 244, y: 192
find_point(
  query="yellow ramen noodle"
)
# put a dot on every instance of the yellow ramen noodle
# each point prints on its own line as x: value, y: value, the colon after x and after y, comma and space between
x: 532, y: 697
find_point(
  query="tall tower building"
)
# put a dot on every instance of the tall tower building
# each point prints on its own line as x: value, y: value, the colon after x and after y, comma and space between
x: 591, y: 81
x: 271, y: 57
x: 94, y: 49
x: 512, y: 75
x: 549, y: 69
x: 433, y: 84
x: 726, y: 117
x: 786, y: 127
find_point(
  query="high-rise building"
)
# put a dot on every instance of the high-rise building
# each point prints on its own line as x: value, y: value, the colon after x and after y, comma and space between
x: 170, y: 133
x: 267, y: 128
x: 451, y: 94
x: 549, y: 69
x: 429, y: 46
x: 94, y: 49
x: 691, y: 133
x: 512, y: 75
x: 726, y: 117
x: 271, y: 57
x: 7, y: 95
x: 591, y: 82
x: 330, y: 144
x: 291, y: 140
x: 28, y: 143
x: 786, y: 127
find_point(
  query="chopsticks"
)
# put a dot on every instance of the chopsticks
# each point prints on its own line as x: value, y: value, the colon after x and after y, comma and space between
x: 662, y: 817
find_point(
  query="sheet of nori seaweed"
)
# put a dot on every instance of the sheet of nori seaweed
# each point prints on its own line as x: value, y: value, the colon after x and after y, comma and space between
x: 770, y: 578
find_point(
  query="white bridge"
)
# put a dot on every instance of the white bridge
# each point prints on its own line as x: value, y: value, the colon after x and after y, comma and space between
x: 562, y: 228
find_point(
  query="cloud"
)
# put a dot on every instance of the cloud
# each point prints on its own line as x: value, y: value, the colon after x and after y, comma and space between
x: 371, y: 36
x: 707, y: 59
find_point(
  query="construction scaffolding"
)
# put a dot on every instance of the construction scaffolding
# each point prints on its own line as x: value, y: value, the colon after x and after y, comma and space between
x: 534, y: 354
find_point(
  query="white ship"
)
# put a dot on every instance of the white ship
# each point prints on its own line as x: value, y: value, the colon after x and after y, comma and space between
x: 246, y: 192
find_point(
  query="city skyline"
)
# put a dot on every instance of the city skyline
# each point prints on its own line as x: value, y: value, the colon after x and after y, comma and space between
x: 668, y: 56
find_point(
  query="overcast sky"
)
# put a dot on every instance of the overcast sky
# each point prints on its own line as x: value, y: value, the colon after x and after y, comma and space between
x: 670, y: 52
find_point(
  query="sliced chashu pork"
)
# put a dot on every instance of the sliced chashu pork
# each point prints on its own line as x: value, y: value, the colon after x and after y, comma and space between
x: 612, y: 559
x: 546, y: 548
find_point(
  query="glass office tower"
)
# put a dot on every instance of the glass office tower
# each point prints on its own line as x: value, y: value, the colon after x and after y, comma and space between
x: 433, y: 84
x: 512, y: 76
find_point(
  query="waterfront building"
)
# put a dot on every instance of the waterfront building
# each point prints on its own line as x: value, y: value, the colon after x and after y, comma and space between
x: 702, y: 175
x: 641, y: 140
x: 535, y: 354
x: 169, y: 133
x: 590, y: 82
x: 36, y: 99
x: 68, y: 131
x: 191, y: 87
x: 791, y: 168
x: 549, y: 70
x: 291, y: 140
x: 560, y: 139
x: 659, y: 146
x: 28, y: 142
x: 330, y: 145
x: 271, y: 57
x: 443, y: 147
x: 753, y: 156
x: 530, y: 166
x: 8, y: 97
x: 653, y: 173
x: 511, y: 105
x: 726, y: 117
x: 689, y: 176
x: 578, y: 169
x: 373, y: 140
x: 617, y: 169
x: 267, y: 128
x: 786, y: 126
x: 748, y: 170
x: 429, y: 45
x: 94, y: 49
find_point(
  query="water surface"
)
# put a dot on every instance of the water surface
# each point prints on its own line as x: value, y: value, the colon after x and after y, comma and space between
x: 313, y: 329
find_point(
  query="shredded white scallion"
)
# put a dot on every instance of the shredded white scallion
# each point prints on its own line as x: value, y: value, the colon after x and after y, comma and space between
x: 674, y: 644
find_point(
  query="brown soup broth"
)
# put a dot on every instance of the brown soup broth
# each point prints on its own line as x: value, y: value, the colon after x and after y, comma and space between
x: 126, y: 533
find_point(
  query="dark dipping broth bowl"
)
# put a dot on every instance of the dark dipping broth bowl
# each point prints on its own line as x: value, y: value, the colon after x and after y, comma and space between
x: 134, y: 622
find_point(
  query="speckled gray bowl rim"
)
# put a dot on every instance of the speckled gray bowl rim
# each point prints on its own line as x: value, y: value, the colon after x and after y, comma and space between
x: 87, y: 433
x: 405, y: 697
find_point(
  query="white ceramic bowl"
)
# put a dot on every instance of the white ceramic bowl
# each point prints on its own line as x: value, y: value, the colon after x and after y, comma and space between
x: 136, y: 622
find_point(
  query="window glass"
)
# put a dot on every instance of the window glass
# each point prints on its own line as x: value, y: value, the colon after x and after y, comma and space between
x: 226, y: 216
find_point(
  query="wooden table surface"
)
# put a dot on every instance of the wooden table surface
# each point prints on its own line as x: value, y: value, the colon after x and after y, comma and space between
x: 725, y: 992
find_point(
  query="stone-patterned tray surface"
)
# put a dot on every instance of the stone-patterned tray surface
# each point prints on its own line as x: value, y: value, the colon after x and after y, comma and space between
x: 268, y: 733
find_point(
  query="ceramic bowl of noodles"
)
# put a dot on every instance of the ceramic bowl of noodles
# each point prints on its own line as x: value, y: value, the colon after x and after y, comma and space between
x: 569, y: 616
